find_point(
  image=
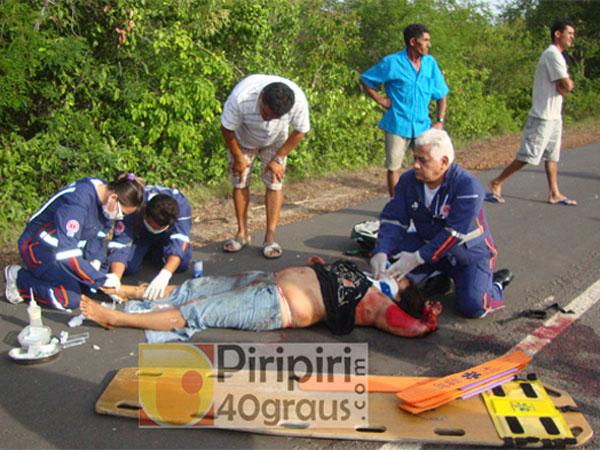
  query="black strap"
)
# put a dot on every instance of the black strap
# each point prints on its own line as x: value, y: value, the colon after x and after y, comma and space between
x: 537, y: 313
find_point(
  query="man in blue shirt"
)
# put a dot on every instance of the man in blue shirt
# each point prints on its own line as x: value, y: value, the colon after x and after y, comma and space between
x: 449, y: 232
x: 410, y: 78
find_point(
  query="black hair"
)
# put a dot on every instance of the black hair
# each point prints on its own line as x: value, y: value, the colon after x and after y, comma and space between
x: 560, y: 26
x: 279, y: 97
x: 163, y: 210
x: 414, y: 30
x: 129, y: 189
x: 412, y: 302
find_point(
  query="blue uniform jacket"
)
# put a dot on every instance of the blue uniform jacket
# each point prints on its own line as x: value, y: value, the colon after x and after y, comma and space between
x: 410, y: 92
x: 454, y: 224
x: 68, y: 229
x: 177, y: 236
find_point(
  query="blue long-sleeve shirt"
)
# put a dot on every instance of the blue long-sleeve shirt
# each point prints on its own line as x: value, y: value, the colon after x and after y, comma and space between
x: 409, y: 91
x: 454, y: 222
x: 68, y: 229
x: 177, y: 236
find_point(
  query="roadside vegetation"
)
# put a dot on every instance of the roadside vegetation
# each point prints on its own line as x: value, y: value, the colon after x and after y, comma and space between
x: 89, y: 87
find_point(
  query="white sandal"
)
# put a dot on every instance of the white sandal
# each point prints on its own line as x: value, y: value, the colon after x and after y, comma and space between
x: 272, y: 250
x: 235, y: 245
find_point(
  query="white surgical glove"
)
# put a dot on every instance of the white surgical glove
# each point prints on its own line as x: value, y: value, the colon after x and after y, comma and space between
x: 112, y: 281
x: 407, y: 261
x: 96, y: 264
x: 378, y: 264
x: 156, y: 288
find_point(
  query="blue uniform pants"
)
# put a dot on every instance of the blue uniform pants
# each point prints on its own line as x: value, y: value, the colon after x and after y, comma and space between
x: 53, y: 286
x: 476, y: 293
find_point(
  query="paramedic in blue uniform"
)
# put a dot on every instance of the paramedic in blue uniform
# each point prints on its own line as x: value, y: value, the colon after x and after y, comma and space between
x: 158, y: 233
x: 445, y: 204
x: 411, y: 78
x: 63, y: 247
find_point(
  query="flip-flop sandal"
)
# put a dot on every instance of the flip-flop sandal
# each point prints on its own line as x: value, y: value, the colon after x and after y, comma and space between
x: 494, y: 198
x: 272, y: 250
x: 566, y: 202
x: 235, y: 245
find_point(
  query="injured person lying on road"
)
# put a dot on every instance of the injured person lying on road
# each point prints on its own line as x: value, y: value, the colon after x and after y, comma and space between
x: 339, y: 294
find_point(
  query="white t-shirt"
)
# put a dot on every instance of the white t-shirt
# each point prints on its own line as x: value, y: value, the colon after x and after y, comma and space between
x: 547, y: 102
x: 429, y: 194
x: 241, y: 113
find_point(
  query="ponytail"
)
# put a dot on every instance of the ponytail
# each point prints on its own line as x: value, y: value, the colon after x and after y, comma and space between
x: 129, y: 189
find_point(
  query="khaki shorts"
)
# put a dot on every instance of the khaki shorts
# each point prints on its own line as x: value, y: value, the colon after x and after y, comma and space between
x: 265, y: 154
x: 541, y: 139
x: 395, y: 149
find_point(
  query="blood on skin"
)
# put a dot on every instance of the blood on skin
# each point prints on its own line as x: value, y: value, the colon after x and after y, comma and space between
x: 366, y: 310
x: 403, y: 324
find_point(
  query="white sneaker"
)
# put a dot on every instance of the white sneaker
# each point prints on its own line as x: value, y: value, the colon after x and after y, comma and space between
x: 11, y: 292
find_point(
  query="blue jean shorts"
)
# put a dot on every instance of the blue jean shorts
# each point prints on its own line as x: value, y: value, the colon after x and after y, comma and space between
x: 244, y: 301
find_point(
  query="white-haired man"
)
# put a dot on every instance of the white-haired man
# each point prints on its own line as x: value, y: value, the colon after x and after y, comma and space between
x: 451, y: 235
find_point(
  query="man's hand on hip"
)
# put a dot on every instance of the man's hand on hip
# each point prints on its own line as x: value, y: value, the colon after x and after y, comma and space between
x: 385, y: 102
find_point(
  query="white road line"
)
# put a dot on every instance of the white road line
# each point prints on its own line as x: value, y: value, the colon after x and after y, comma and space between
x: 556, y: 324
x: 537, y: 340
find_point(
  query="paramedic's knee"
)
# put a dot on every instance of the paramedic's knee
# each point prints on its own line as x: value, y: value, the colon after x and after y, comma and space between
x: 470, y: 305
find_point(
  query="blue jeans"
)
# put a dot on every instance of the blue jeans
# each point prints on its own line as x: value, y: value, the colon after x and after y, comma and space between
x: 245, y: 301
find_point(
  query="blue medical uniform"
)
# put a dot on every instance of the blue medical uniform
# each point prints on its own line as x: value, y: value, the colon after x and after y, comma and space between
x: 410, y: 92
x: 133, y: 243
x: 59, y: 242
x: 451, y: 236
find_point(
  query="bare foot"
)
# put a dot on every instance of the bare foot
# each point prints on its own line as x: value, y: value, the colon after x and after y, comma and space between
x: 96, y: 312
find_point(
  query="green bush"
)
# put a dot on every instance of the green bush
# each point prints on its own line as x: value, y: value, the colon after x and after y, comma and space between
x: 92, y: 87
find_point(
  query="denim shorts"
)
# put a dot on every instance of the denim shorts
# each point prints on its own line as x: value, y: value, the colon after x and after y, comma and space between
x: 244, y: 301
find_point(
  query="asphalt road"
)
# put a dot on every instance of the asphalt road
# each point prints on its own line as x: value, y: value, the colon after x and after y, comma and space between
x: 554, y: 252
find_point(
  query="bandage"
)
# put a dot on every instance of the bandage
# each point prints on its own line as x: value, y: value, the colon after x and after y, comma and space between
x: 387, y: 286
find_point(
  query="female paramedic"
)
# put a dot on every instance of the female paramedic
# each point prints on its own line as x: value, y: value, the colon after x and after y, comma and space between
x: 63, y: 245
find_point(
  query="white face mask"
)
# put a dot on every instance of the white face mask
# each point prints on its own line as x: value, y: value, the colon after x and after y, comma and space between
x: 152, y: 230
x: 113, y: 215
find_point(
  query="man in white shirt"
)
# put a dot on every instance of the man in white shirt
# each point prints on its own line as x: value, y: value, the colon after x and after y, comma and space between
x: 543, y: 129
x: 255, y: 121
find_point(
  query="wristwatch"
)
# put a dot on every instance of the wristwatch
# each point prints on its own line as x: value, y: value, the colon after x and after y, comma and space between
x: 440, y: 119
x: 279, y: 160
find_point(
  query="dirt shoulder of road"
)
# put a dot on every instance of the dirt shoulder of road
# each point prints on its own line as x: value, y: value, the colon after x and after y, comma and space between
x: 214, y: 219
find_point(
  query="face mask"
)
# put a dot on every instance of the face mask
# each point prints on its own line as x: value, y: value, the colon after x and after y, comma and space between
x: 152, y: 230
x: 113, y: 215
x: 387, y: 286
